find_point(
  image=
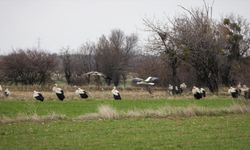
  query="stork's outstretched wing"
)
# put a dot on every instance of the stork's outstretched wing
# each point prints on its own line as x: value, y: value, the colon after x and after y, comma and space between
x: 147, y: 85
x: 95, y: 73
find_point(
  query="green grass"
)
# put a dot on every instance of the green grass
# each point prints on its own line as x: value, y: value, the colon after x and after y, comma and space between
x: 74, y: 108
x: 207, y: 132
x: 224, y: 132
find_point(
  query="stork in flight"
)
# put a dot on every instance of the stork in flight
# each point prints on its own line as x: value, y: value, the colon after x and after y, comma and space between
x: 97, y: 76
x: 150, y: 81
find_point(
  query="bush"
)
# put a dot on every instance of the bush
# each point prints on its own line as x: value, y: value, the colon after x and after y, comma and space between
x: 27, y: 67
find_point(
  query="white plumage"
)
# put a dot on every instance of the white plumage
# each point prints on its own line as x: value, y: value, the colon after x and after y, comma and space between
x: 170, y: 89
x: 95, y: 73
x: 38, y: 96
x: 246, y: 92
x: 203, y: 91
x: 198, y: 93
x: 7, y: 92
x: 82, y: 93
x: 150, y: 81
x: 59, y: 92
x: 116, y: 94
x: 144, y: 83
x: 178, y: 90
x: 135, y: 80
x: 244, y: 88
x: 234, y: 92
x: 195, y: 90
x: 57, y: 89
x: 183, y: 86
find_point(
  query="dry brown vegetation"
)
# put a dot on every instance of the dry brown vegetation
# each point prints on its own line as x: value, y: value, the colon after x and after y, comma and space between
x: 25, y: 92
x: 108, y: 112
x: 96, y: 94
x: 32, y: 118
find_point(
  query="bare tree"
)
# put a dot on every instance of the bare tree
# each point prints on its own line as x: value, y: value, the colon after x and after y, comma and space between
x: 164, y: 43
x: 147, y: 65
x: 27, y: 67
x: 103, y: 57
x: 197, y: 35
x: 82, y: 61
x: 86, y: 56
x: 235, y: 31
x: 113, y: 54
x: 67, y: 63
x: 195, y: 39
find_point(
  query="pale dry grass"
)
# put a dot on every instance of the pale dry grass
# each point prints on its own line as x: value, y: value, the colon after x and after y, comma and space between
x: 108, y: 112
x: 22, y: 92
x: 93, y: 94
x: 104, y: 112
x: 32, y: 118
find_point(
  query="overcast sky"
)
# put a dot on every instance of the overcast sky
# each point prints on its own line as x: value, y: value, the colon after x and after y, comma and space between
x: 59, y: 23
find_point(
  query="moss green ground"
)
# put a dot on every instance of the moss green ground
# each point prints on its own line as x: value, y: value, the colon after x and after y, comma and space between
x: 218, y: 132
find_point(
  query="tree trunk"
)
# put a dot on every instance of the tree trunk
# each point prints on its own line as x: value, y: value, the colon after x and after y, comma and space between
x: 175, y: 79
x: 213, y: 86
x: 212, y: 81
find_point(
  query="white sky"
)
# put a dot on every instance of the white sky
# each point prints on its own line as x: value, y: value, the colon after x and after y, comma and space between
x: 60, y: 23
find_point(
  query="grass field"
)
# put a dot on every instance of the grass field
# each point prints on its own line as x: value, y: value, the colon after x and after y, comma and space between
x: 220, y: 131
x: 78, y: 107
x: 224, y: 132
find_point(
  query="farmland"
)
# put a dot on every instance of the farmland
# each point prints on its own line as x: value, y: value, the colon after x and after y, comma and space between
x: 221, y: 132
x: 22, y: 126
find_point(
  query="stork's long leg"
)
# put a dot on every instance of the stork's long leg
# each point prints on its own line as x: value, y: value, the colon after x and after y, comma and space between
x: 148, y: 89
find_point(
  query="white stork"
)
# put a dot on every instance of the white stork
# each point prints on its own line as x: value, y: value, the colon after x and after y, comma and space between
x: 246, y: 91
x: 38, y: 96
x: 178, y: 90
x: 198, y: 94
x: 170, y: 89
x: 95, y: 73
x: 97, y: 76
x: 59, y: 92
x: 238, y: 88
x: 116, y: 94
x: 150, y: 81
x: 183, y: 86
x: 7, y: 92
x: 135, y: 80
x: 203, y: 91
x: 82, y: 93
x: 234, y: 92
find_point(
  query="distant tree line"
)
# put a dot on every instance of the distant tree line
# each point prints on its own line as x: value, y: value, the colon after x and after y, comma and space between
x: 110, y: 55
x: 27, y: 67
x: 192, y: 48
